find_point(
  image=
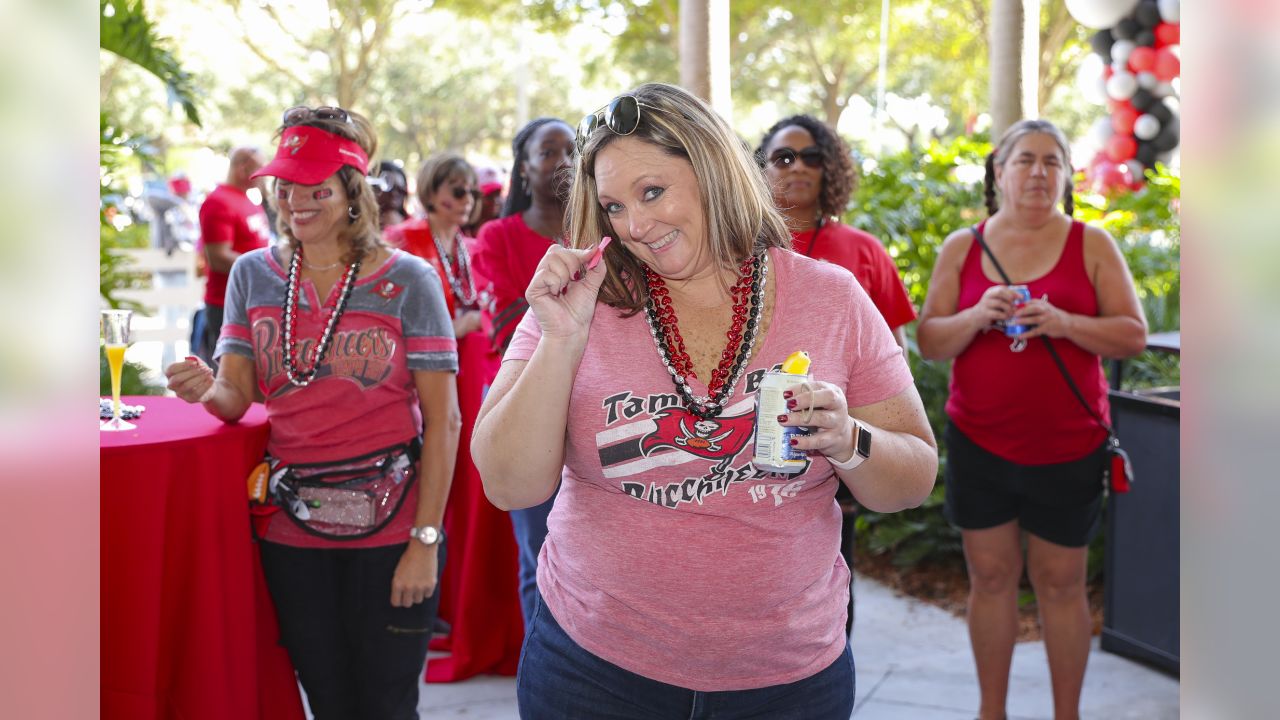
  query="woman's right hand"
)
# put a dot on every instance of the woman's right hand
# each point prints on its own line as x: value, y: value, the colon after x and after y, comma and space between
x: 996, y: 304
x: 190, y: 379
x: 563, y: 291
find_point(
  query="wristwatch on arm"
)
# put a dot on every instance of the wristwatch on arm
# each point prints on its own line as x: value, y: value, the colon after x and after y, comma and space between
x: 861, y: 448
x: 427, y: 535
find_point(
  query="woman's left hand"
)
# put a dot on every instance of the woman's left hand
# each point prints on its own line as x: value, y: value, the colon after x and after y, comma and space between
x: 823, y: 408
x: 1047, y: 320
x: 415, y: 578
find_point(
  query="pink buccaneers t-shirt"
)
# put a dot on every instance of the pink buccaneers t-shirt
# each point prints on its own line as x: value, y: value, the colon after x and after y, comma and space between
x: 667, y: 552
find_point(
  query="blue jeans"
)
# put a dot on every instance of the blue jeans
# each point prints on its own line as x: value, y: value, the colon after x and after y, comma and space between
x: 559, y: 680
x: 530, y: 527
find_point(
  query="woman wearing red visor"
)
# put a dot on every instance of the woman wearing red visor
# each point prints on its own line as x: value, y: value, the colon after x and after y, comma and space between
x: 352, y: 349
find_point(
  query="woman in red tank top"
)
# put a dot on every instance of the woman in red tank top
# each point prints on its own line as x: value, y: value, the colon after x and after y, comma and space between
x: 1022, y: 454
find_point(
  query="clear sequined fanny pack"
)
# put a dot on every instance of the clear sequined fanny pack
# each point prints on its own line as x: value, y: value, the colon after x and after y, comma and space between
x: 346, y: 499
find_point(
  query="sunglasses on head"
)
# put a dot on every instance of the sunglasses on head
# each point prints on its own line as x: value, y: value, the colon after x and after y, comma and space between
x: 460, y: 192
x: 786, y: 157
x: 384, y: 183
x: 621, y: 116
x: 302, y: 113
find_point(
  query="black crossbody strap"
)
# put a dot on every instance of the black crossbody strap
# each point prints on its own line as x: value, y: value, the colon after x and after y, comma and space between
x: 1053, y: 353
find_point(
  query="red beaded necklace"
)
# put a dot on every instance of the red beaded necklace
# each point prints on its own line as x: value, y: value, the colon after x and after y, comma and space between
x: 747, y: 294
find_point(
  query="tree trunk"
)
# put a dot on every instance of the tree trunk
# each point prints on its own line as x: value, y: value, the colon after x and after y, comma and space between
x: 695, y: 47
x: 1006, y: 65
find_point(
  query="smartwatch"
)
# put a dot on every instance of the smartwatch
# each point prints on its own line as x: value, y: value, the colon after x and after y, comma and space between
x: 861, y: 448
x: 427, y: 535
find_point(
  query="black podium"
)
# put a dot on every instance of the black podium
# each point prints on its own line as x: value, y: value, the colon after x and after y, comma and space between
x: 1141, y: 597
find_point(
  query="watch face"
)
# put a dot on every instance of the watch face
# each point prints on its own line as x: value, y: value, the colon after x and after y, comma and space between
x: 864, y: 442
x: 428, y: 535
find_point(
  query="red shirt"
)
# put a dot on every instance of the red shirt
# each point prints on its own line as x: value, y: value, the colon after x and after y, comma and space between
x: 861, y: 254
x: 414, y: 237
x: 229, y: 216
x: 507, y: 254
x: 1017, y: 405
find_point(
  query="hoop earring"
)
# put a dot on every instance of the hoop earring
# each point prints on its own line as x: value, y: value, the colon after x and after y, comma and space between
x: 352, y: 213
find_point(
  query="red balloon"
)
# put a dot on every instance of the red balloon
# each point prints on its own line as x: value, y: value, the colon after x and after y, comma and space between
x: 1115, y: 105
x: 1167, y: 65
x: 1168, y: 34
x: 1123, y: 117
x: 1106, y: 175
x: 1142, y: 59
x: 1121, y: 147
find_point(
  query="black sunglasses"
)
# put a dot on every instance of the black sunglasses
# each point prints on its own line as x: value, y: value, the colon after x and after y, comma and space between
x: 786, y: 157
x: 621, y: 116
x: 302, y: 113
x: 460, y: 192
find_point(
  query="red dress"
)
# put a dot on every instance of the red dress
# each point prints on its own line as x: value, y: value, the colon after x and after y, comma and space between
x: 479, y: 596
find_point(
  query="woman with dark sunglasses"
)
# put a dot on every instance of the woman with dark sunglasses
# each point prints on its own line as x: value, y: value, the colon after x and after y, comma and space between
x: 508, y: 252
x: 351, y: 346
x: 677, y: 579
x: 809, y: 169
x: 478, y: 591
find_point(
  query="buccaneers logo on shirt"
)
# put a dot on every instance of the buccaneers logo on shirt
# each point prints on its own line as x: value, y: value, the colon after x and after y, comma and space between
x: 711, y: 438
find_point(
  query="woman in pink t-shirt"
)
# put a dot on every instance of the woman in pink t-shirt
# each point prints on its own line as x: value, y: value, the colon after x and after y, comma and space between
x: 1022, y: 453
x: 677, y: 578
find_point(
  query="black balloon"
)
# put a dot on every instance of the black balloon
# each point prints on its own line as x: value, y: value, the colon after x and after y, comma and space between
x: 1125, y: 29
x: 1161, y: 112
x: 1147, y: 153
x: 1101, y: 43
x: 1168, y: 137
x: 1143, y: 99
x: 1145, y: 37
x: 1147, y: 14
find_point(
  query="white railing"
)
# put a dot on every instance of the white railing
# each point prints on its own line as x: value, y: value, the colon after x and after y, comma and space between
x: 175, y: 294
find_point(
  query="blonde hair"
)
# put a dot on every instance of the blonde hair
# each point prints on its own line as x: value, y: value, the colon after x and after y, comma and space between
x: 736, y: 202
x: 361, y: 231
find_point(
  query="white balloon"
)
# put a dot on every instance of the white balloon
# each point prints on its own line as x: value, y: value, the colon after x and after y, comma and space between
x: 1090, y: 80
x: 1136, y: 169
x: 1148, y: 81
x: 1162, y: 90
x: 1098, y: 14
x: 1101, y: 131
x: 1122, y: 86
x: 1146, y: 127
x: 1120, y: 52
x: 1170, y: 10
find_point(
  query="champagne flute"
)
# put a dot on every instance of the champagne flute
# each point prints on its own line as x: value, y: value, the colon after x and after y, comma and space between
x: 115, y: 334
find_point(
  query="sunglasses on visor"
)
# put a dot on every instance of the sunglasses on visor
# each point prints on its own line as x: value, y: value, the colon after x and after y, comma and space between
x: 786, y: 157
x: 621, y: 116
x: 302, y: 113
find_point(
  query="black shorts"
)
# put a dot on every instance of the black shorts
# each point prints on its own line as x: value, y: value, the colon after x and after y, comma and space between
x: 1061, y: 503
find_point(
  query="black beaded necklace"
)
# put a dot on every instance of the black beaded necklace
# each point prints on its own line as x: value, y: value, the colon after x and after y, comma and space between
x: 297, y: 375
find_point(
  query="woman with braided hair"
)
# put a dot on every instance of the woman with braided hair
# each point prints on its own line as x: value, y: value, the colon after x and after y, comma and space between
x: 1022, y: 454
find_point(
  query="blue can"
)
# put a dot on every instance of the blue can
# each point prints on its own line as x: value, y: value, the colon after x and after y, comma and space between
x: 1024, y: 296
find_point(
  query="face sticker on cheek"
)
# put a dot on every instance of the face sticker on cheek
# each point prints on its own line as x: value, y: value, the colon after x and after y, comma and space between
x: 322, y: 193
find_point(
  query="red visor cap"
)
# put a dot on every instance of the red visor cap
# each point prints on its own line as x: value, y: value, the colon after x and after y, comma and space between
x: 308, y: 156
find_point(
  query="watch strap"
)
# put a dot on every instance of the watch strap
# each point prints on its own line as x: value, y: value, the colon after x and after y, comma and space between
x: 861, y: 449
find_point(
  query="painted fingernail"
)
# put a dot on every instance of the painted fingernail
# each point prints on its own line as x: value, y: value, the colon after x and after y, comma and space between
x: 786, y: 393
x: 599, y: 253
x: 791, y: 404
x: 782, y: 418
x: 795, y: 441
x: 577, y: 275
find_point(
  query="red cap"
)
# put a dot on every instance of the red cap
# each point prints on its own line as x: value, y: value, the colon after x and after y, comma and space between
x: 308, y: 156
x: 490, y: 187
x: 179, y: 185
x: 488, y: 179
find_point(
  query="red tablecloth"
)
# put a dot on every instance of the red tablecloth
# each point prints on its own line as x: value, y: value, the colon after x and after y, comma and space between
x: 188, y: 628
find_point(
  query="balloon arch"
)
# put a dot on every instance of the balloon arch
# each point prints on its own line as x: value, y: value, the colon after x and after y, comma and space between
x: 1134, y: 71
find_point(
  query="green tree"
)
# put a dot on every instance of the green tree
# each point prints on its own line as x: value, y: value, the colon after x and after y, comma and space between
x: 125, y: 30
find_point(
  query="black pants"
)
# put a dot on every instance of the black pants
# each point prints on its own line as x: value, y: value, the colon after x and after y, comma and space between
x: 357, y: 657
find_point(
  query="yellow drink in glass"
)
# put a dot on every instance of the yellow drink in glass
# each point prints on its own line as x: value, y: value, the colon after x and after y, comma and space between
x: 115, y: 361
x: 115, y: 337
